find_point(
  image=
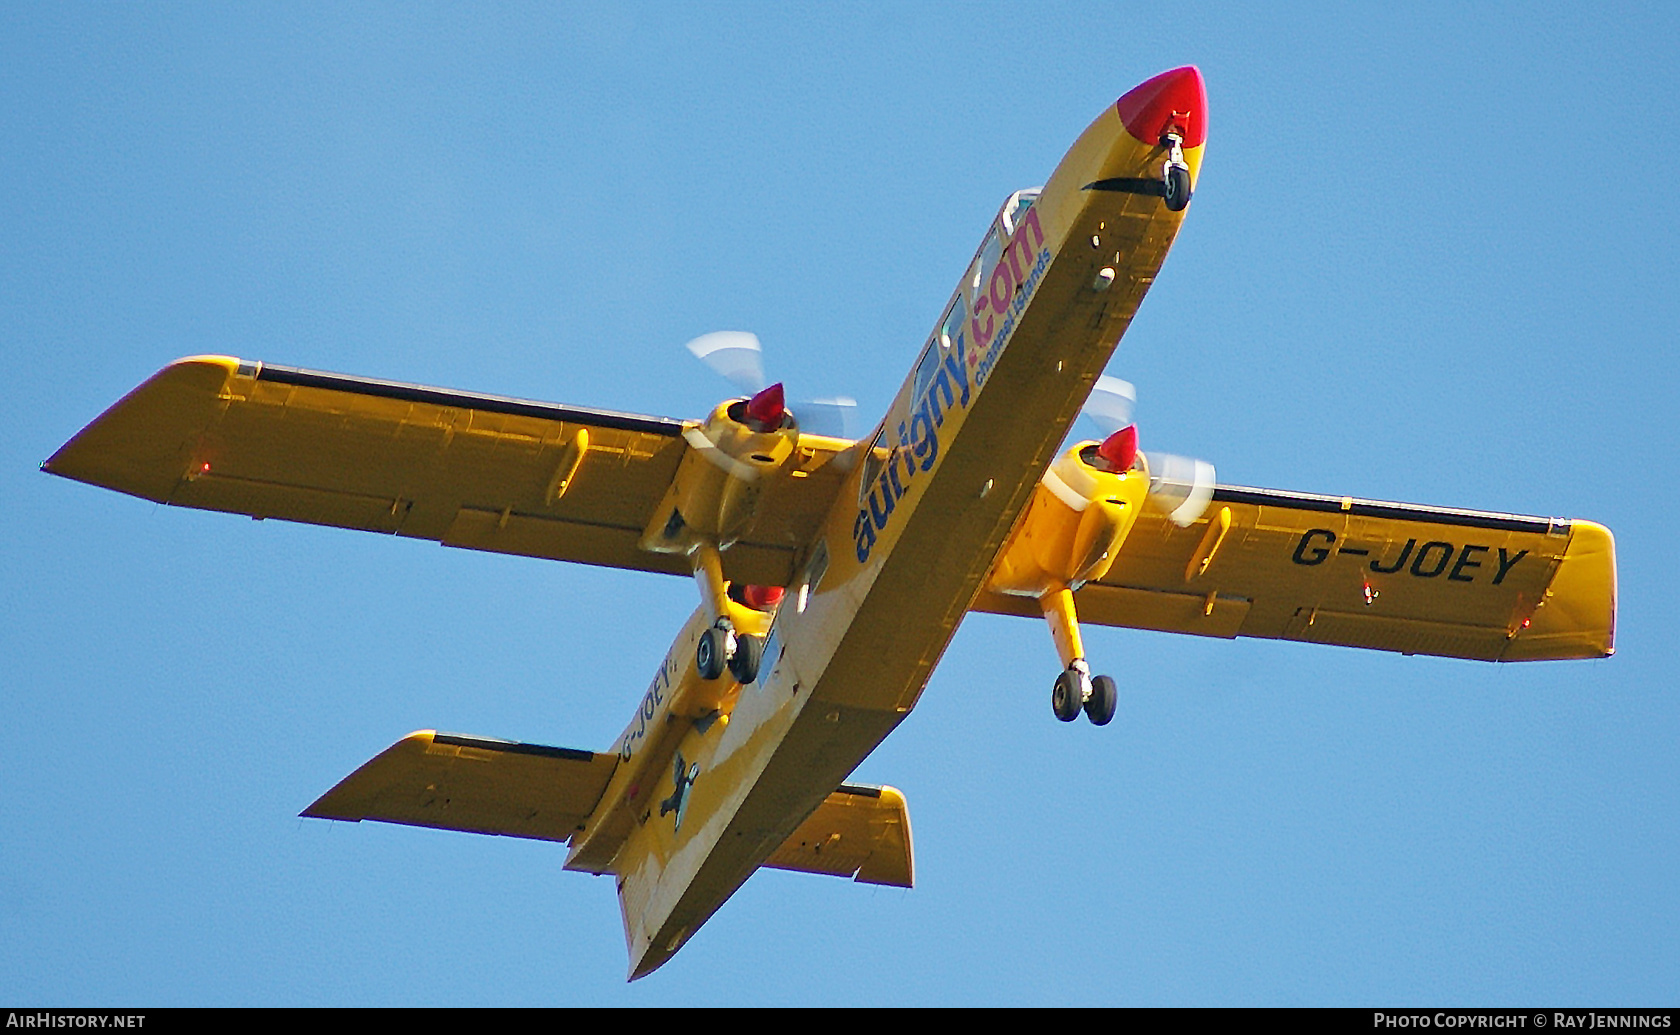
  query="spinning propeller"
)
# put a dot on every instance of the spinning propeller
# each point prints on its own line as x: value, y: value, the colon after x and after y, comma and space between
x: 739, y: 358
x: 1179, y: 486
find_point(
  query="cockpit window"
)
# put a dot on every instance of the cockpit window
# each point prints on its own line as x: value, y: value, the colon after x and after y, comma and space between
x: 990, y: 252
x: 926, y: 368
x: 873, y: 462
x: 950, y: 331
x: 1017, y: 206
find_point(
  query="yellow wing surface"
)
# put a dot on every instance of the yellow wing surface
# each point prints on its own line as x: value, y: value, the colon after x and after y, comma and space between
x: 1361, y: 573
x: 470, y: 470
x: 484, y: 786
x: 859, y: 832
x: 473, y: 784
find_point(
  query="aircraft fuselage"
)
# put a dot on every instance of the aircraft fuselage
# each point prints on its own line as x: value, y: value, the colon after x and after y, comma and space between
x: 915, y: 528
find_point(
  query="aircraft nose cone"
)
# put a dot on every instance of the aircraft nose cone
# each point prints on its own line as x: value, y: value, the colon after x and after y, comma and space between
x: 1172, y: 100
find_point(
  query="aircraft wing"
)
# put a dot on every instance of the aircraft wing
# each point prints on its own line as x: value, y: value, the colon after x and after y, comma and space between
x: 477, y: 471
x: 473, y: 784
x: 1361, y: 573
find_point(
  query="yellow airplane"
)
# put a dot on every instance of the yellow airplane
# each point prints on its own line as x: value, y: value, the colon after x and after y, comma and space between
x: 832, y: 574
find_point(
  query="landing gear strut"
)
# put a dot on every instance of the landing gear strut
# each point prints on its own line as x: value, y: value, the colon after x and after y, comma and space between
x: 720, y: 646
x: 1075, y: 690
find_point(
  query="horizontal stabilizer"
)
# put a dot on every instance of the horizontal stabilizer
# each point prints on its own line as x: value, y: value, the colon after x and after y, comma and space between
x: 473, y: 784
x: 859, y: 832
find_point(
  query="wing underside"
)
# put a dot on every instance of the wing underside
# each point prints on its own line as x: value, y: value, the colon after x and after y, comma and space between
x: 1361, y: 573
x: 473, y: 784
x: 465, y: 469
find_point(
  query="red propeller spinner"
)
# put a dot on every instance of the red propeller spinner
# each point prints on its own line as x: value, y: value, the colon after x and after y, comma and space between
x: 1120, y: 449
x: 764, y: 411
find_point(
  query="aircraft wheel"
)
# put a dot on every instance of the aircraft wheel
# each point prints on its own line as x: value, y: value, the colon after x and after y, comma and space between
x: 1066, y: 698
x: 1178, y: 187
x: 1105, y: 696
x: 743, y: 664
x: 709, y: 653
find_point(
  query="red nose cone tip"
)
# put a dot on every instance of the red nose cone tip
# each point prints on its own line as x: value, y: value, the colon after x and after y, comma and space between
x: 767, y: 407
x: 1120, y: 448
x: 1175, y: 100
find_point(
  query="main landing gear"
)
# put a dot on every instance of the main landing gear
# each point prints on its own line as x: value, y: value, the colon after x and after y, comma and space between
x: 1076, y: 691
x: 722, y: 647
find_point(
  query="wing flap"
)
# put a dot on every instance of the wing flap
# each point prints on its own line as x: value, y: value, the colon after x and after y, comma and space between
x: 859, y: 832
x: 1362, y: 573
x: 473, y: 784
x: 531, y: 535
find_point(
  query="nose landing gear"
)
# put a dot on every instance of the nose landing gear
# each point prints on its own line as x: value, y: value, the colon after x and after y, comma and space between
x: 1175, y: 173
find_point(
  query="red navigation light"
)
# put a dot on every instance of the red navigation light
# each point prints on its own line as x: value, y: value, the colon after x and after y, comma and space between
x: 1120, y: 449
x: 766, y: 409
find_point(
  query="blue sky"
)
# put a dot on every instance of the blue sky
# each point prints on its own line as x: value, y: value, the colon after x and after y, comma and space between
x: 1432, y: 257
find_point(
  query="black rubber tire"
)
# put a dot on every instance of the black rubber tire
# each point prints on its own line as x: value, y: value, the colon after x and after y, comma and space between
x: 708, y: 653
x: 743, y: 665
x: 1105, y: 697
x: 1177, y: 188
x: 1064, y: 697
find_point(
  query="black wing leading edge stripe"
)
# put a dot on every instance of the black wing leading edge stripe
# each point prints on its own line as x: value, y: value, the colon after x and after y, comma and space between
x: 469, y: 400
x: 862, y: 790
x: 1401, y: 511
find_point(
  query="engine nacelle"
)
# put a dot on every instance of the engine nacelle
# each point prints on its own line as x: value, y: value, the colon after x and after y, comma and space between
x: 1073, y: 527
x: 730, y: 458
